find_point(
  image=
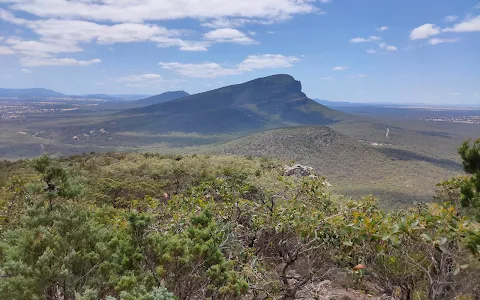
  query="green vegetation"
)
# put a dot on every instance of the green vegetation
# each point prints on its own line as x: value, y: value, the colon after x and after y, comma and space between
x: 470, y: 188
x: 354, y: 169
x: 147, y: 226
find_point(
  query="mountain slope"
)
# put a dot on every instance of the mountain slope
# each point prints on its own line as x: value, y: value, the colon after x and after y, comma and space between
x: 29, y: 93
x: 353, y: 168
x: 164, y: 97
x: 269, y: 102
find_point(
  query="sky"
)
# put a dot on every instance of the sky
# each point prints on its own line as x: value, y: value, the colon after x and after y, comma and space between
x: 407, y: 51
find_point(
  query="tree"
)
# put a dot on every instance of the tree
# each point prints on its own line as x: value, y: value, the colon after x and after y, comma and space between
x: 53, y: 254
x: 470, y: 189
x: 56, y: 180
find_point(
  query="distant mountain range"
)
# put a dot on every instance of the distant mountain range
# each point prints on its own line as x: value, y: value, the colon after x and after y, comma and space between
x: 41, y: 93
x: 269, y: 102
x: 29, y: 93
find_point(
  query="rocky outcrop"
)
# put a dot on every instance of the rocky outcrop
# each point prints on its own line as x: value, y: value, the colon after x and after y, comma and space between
x: 298, y: 170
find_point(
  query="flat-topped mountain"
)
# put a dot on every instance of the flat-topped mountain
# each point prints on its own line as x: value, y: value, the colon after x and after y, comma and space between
x: 269, y: 102
x: 29, y: 93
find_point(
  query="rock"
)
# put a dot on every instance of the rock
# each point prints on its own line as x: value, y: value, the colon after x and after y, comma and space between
x: 298, y: 170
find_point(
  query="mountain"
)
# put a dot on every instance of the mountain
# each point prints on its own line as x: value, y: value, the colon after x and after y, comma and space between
x: 141, y: 102
x: 164, y: 97
x: 129, y: 97
x: 269, y: 102
x: 29, y: 93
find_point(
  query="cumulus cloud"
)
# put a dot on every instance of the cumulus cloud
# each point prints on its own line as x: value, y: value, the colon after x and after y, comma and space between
x: 234, y: 22
x: 228, y: 35
x: 365, y: 40
x: 201, y: 70
x: 425, y: 31
x: 267, y: 61
x: 340, y: 68
x: 371, y: 51
x: 41, y: 49
x: 383, y: 28
x: 386, y: 47
x: 181, y: 44
x: 469, y: 25
x: 155, y: 10
x: 52, y: 61
x: 26, y: 71
x: 213, y: 70
x: 6, y: 51
x: 436, y: 41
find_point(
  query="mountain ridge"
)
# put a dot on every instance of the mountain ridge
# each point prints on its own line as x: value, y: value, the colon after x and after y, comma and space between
x: 267, y: 102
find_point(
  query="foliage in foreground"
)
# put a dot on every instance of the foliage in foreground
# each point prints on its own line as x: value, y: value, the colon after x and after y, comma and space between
x: 118, y: 226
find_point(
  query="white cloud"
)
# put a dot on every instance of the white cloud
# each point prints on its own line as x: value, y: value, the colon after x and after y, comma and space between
x: 383, y: 28
x: 325, y: 1
x: 41, y: 49
x: 371, y: 51
x: 436, y: 41
x: 365, y: 40
x: 455, y: 94
x: 202, y: 70
x: 326, y: 78
x: 156, y: 10
x: 6, y: 51
x: 42, y: 61
x: 234, y: 22
x: 340, y: 68
x: 213, y: 70
x: 450, y: 19
x: 425, y: 31
x: 469, y: 25
x: 267, y: 61
x: 26, y: 71
x: 76, y: 31
x: 228, y: 35
x: 387, y: 47
x: 181, y: 44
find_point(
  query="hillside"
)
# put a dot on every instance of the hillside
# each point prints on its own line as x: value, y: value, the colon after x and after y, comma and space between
x: 29, y: 93
x: 125, y: 226
x: 354, y: 169
x: 142, y: 102
x: 164, y: 97
x: 269, y: 102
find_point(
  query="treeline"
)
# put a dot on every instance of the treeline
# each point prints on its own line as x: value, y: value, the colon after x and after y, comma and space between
x: 132, y: 226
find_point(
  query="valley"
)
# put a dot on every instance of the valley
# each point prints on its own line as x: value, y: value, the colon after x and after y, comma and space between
x: 396, y: 154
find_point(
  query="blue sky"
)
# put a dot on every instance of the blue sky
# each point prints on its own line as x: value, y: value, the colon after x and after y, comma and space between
x: 406, y: 51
